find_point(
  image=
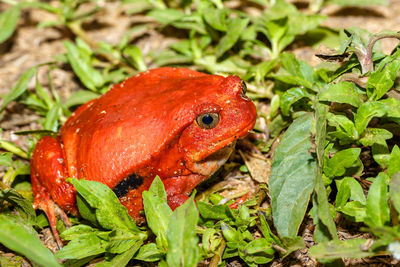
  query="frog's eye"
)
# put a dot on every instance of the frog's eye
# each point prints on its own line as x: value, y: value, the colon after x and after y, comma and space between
x: 208, y: 120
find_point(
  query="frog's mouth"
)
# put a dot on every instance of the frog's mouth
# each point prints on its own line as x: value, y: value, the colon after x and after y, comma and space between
x: 209, y: 165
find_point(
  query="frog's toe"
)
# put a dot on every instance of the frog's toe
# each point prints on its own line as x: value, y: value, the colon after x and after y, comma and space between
x: 63, y: 216
x: 49, y: 208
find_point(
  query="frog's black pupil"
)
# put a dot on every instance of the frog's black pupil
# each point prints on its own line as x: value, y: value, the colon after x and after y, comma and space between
x: 207, y: 119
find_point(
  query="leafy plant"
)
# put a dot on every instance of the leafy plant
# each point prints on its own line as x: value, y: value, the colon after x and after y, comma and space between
x: 328, y: 119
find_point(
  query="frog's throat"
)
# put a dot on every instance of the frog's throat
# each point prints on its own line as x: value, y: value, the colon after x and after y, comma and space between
x: 213, y: 162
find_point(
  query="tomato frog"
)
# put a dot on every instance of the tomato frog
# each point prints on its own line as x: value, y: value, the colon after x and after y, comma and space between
x: 176, y: 123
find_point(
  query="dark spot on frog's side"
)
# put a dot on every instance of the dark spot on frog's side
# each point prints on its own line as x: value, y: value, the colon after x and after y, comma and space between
x: 131, y: 182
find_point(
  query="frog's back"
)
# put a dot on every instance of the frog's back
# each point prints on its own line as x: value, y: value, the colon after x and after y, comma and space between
x: 131, y: 124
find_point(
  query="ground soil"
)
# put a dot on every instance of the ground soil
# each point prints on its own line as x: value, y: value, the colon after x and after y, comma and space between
x: 30, y: 46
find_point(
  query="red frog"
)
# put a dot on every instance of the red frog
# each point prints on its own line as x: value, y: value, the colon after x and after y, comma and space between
x: 176, y: 123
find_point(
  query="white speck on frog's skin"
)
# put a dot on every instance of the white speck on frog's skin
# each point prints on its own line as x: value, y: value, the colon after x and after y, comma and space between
x: 228, y: 101
x: 60, y: 160
x: 77, y: 130
x: 103, y: 112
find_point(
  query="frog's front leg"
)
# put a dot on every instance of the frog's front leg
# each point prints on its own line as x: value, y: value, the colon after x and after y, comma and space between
x: 48, y: 173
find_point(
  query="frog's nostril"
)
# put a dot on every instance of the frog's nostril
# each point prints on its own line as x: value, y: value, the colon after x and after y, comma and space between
x: 244, y: 87
x: 244, y: 90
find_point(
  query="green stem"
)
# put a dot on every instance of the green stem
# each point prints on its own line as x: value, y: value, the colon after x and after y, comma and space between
x: 13, y: 148
x: 369, y: 64
x: 218, y: 254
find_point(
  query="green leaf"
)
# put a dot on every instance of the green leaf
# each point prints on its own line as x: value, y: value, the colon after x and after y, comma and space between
x: 394, y: 161
x: 266, y: 230
x: 357, y: 2
x: 78, y: 58
x: 43, y: 94
x: 13, y: 148
x: 293, y: 80
x: 395, y: 191
x: 293, y: 244
x: 183, y: 248
x: 229, y: 233
x: 23, y: 206
x: 349, y: 188
x: 166, y: 16
x: 367, y: 111
x: 354, y: 209
x: 298, y: 67
x: 325, y: 227
x: 276, y: 32
x: 121, y: 241
x: 388, y: 107
x: 22, y: 238
x: 290, y: 97
x: 344, y: 92
x: 123, y: 258
x: 8, y: 22
x: 375, y: 136
x: 135, y: 55
x: 391, y: 105
x: 52, y: 116
x: 382, y: 79
x: 86, y: 245
x: 150, y: 252
x: 258, y: 251
x: 378, y: 211
x: 6, y: 159
x: 216, y: 18
x: 298, y: 23
x: 345, y: 128
x: 215, y: 212
x: 292, y: 177
x: 109, y: 211
x: 236, y: 27
x: 337, y: 165
x: 19, y: 88
x: 77, y: 231
x: 381, y: 154
x: 157, y: 211
x: 192, y: 22
x: 80, y: 97
x: 336, y: 249
x: 296, y: 72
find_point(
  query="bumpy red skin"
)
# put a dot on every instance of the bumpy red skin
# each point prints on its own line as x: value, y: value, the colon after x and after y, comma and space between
x: 145, y: 126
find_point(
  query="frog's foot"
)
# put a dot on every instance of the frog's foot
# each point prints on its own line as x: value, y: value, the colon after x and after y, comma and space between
x: 48, y: 183
x: 42, y: 201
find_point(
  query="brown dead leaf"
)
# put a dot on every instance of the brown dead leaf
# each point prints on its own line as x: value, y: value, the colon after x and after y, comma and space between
x: 258, y: 165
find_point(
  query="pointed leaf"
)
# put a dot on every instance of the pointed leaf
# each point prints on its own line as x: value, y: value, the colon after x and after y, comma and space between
x: 292, y: 177
x: 23, y: 239
x: 19, y: 88
x: 8, y: 22
x: 378, y: 211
